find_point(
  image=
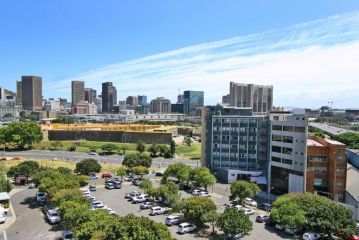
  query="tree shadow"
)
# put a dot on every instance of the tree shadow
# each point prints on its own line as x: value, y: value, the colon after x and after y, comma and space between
x: 31, y: 202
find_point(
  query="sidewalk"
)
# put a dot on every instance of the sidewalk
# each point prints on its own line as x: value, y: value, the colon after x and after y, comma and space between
x: 11, y: 216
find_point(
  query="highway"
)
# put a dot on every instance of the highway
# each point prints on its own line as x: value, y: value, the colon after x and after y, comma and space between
x: 328, y: 129
x: 78, y: 156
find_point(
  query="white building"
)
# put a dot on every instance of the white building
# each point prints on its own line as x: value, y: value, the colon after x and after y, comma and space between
x: 52, y: 105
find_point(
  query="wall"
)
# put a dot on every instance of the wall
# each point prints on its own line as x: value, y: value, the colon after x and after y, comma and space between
x: 111, y: 136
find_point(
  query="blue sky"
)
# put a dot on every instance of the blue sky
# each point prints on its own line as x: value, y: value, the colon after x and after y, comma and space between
x: 155, y: 47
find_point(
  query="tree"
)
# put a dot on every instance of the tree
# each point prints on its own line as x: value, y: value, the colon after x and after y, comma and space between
x: 173, y: 148
x: 140, y: 147
x: 289, y: 215
x: 5, y: 184
x: 123, y: 149
x: 167, y: 192
x: 146, y: 184
x: 71, y: 194
x: 71, y: 212
x: 194, y: 208
x: 211, y: 217
x: 121, y: 172
x: 351, y: 139
x: 187, y: 141
x: 233, y: 222
x: 140, y: 171
x: 202, y: 177
x: 178, y: 170
x: 8, y: 115
x: 87, y: 166
x: 21, y: 134
x: 55, y: 181
x: 137, y: 159
x: 243, y: 189
x: 54, y: 145
x: 26, y: 168
x: 109, y: 148
x: 153, y: 149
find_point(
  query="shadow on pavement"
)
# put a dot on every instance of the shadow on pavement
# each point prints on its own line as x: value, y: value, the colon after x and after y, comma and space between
x: 280, y: 233
x: 31, y: 202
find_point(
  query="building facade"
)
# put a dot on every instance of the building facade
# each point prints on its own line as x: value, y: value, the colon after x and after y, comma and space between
x: 52, y: 105
x: 142, y: 100
x: 326, y: 167
x: 132, y: 101
x: 160, y: 105
x: 288, y: 151
x: 31, y: 93
x: 90, y: 95
x: 109, y: 97
x: 19, y: 93
x: 257, y: 97
x: 192, y: 102
x: 235, y: 144
x: 77, y: 92
x: 177, y: 107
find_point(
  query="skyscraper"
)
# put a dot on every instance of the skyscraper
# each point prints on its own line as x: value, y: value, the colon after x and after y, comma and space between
x: 109, y: 97
x: 192, y: 102
x: 90, y: 95
x: 31, y: 90
x: 132, y: 100
x: 160, y: 105
x: 257, y: 97
x: 142, y: 100
x: 19, y: 93
x: 77, y: 92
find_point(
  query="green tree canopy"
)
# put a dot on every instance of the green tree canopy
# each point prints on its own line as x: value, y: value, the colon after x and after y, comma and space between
x: 146, y: 184
x: 154, y: 149
x: 140, y: 147
x: 188, y: 141
x: 211, y: 217
x: 21, y: 134
x: 140, y: 171
x: 202, y: 177
x: 109, y: 148
x: 87, y: 166
x: 233, y: 222
x: 178, y: 170
x: 26, y: 168
x: 243, y: 189
x: 121, y: 172
x: 137, y: 159
x: 289, y: 215
x: 351, y: 139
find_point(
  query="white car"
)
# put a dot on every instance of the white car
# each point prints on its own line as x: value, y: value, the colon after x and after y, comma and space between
x: 204, y: 194
x: 186, y: 228
x: 250, y: 202
x: 238, y: 207
x: 247, y: 211
x: 140, y: 199
x: 53, y: 216
x: 111, y: 211
x: 196, y: 192
x: 40, y: 197
x: 311, y: 236
x: 157, y: 211
x: 173, y: 219
x: 98, y: 205
x: 2, y: 217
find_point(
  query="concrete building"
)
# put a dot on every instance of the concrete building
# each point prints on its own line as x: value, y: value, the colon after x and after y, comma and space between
x: 132, y: 100
x: 84, y: 108
x: 235, y: 144
x: 193, y: 102
x: 90, y: 95
x: 77, y: 92
x: 109, y: 97
x: 352, y: 190
x: 19, y: 93
x: 9, y: 107
x: 99, y: 103
x: 288, y: 145
x: 160, y: 105
x: 31, y: 93
x: 257, y: 97
x: 326, y: 168
x: 142, y: 100
x: 52, y: 105
x: 225, y: 100
x: 153, y: 117
x: 180, y: 98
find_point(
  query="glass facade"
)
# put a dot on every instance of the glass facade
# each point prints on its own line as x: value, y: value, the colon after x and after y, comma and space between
x: 193, y: 101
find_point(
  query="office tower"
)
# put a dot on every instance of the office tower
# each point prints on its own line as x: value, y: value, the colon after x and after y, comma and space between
x: 77, y: 92
x: 132, y: 101
x: 177, y: 107
x: 142, y: 100
x: 90, y: 95
x: 225, y: 100
x: 31, y: 93
x: 326, y: 168
x: 235, y: 144
x: 19, y: 93
x: 288, y: 146
x: 257, y: 97
x: 99, y: 104
x: 192, y: 102
x: 180, y: 98
x: 109, y: 97
x: 160, y: 105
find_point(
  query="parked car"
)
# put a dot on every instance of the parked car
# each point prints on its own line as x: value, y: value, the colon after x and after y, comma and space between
x: 115, y: 179
x: 41, y: 197
x: 92, y: 188
x: 196, y: 192
x: 140, y: 199
x: 132, y: 194
x: 173, y: 220
x: 136, y: 182
x: 157, y: 210
x: 204, y: 194
x: 186, y: 228
x: 128, y: 178
x: 2, y: 217
x: 53, y: 216
x: 106, y: 175
x: 31, y: 185
x: 262, y: 218
x: 311, y: 236
x: 47, y: 207
x: 247, y: 211
x: 97, y: 205
x: 93, y: 176
x: 265, y: 206
x: 110, y: 185
x: 235, y: 237
x: 250, y: 202
x: 67, y: 235
x: 292, y: 231
x: 159, y: 174
x: 238, y: 207
x: 111, y: 211
x: 147, y: 205
x: 117, y: 184
x: 93, y: 153
x: 353, y: 237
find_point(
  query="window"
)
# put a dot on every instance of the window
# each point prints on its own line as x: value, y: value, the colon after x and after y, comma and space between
x: 277, y: 127
x: 287, y: 139
x: 320, y: 182
x: 276, y: 159
x: 299, y: 129
x: 340, y: 170
x: 276, y: 138
x: 287, y: 150
x: 315, y: 158
x: 320, y: 169
x: 340, y: 158
x: 287, y: 161
x: 339, y: 184
x: 288, y: 128
x: 276, y: 149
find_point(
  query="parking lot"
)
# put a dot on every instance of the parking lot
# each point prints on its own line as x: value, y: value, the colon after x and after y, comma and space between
x: 115, y: 200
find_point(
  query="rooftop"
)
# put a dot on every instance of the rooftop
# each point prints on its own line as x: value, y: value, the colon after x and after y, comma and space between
x: 311, y: 142
x: 353, y: 181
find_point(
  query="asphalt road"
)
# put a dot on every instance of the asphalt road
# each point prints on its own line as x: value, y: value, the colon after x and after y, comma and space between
x: 78, y: 156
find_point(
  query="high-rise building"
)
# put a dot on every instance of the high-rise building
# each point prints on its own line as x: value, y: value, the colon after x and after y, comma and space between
x: 19, y: 93
x: 2, y: 94
x: 288, y: 145
x: 160, y: 105
x: 235, y: 144
x: 77, y: 92
x: 180, y: 98
x: 192, y: 102
x: 177, y: 107
x: 52, y: 105
x: 109, y: 97
x: 142, y: 100
x: 31, y: 93
x: 326, y: 168
x: 225, y: 100
x: 132, y: 101
x: 90, y: 95
x: 257, y: 97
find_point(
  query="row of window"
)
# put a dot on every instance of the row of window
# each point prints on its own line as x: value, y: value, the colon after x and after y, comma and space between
x: 282, y: 160
x: 288, y: 128
x: 234, y: 120
x: 235, y: 129
x: 318, y: 158
x: 284, y: 150
x: 235, y: 138
x: 285, y: 139
x: 237, y: 155
x: 233, y: 164
x: 235, y: 146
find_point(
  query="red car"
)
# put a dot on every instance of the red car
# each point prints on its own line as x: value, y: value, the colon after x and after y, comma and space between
x: 106, y: 175
x: 353, y: 237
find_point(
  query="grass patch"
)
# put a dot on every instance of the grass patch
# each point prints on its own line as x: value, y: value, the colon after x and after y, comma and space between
x: 186, y: 152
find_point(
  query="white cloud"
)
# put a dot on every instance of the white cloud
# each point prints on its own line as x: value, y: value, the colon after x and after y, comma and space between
x: 308, y: 64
